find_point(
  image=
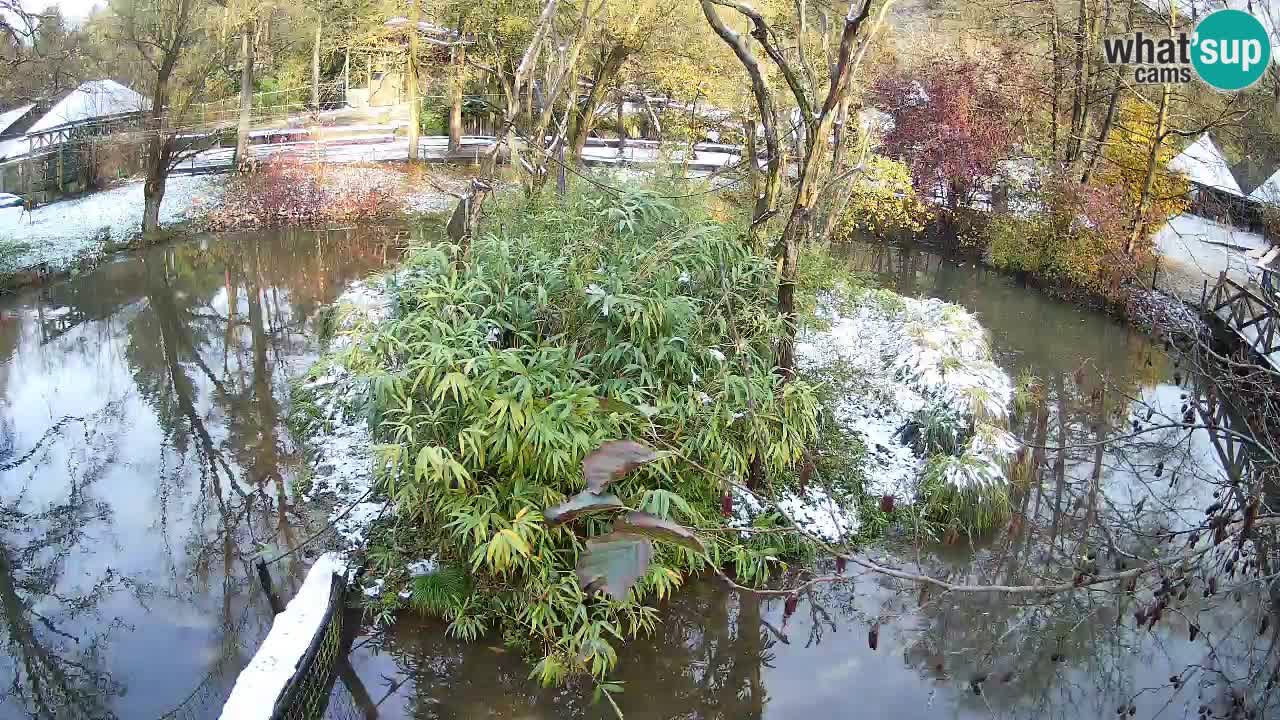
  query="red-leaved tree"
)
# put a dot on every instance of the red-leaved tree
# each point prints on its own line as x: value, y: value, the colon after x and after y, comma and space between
x: 953, y: 122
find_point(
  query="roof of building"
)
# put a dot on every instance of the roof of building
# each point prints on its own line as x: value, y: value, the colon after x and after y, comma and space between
x: 10, y: 117
x: 91, y: 100
x: 1268, y: 192
x: 1204, y: 165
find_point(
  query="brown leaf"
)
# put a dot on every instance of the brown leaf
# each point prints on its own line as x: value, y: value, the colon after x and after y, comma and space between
x: 612, y: 460
x: 643, y: 523
x: 614, y: 562
x: 583, y: 502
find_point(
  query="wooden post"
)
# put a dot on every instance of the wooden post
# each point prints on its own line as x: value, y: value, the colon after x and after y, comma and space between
x: 264, y: 578
x: 61, y: 154
x: 560, y: 179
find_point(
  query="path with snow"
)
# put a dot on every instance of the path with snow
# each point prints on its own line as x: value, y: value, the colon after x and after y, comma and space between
x: 1194, y: 250
x: 57, y: 235
x: 380, y: 145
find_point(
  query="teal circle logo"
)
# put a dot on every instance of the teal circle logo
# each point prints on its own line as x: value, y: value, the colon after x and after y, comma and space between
x: 1231, y: 49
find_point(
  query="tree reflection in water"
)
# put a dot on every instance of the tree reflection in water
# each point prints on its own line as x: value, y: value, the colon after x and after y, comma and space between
x: 126, y: 539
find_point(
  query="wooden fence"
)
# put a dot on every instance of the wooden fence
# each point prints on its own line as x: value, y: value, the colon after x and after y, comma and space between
x: 71, y: 168
x: 1254, y: 318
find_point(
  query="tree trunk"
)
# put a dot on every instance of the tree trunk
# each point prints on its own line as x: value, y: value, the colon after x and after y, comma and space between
x: 584, y: 118
x: 622, y: 126
x: 753, y: 159
x: 159, y: 148
x: 1057, y: 81
x: 315, y: 69
x: 455, y: 98
x: 411, y: 79
x: 1079, y: 92
x: 153, y: 188
x: 767, y: 201
x: 1108, y: 121
x: 1153, y: 158
x: 246, y: 95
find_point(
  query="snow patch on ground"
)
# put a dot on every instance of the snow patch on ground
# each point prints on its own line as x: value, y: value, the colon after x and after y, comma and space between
x: 819, y: 513
x: 60, y: 233
x: 262, y: 681
x: 343, y: 465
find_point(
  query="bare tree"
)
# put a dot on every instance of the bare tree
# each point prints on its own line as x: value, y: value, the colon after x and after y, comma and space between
x: 248, y: 31
x: 166, y: 34
x: 818, y: 124
x: 532, y: 103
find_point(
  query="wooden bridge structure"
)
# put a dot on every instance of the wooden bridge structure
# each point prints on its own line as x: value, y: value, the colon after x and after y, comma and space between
x: 1214, y: 414
x: 1253, y: 315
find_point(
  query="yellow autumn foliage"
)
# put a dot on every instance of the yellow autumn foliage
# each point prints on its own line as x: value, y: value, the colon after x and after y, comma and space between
x: 1124, y: 165
x: 883, y: 201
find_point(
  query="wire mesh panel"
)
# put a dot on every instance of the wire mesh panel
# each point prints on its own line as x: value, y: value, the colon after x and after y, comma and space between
x: 291, y: 674
x: 307, y: 694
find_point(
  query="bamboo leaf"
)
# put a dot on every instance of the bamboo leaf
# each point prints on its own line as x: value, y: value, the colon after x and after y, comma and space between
x: 583, y: 502
x: 612, y: 460
x: 611, y: 405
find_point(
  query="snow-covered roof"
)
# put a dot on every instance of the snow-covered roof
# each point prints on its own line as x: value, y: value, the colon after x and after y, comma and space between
x: 1268, y: 192
x: 430, y: 29
x: 13, y: 116
x: 93, y: 99
x: 1204, y: 165
x: 14, y: 147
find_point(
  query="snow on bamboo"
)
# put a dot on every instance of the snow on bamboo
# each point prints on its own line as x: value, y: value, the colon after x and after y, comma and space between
x: 913, y: 367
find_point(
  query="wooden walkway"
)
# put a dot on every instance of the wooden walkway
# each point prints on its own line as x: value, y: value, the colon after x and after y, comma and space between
x: 1252, y: 315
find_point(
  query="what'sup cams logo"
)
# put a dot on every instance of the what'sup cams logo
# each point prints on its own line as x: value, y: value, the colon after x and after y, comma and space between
x: 1229, y: 50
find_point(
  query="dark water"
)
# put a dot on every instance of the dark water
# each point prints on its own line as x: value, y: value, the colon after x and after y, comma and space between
x: 144, y: 463
x: 721, y: 654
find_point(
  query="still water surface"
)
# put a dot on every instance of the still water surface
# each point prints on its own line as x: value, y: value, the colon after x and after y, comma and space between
x: 144, y: 462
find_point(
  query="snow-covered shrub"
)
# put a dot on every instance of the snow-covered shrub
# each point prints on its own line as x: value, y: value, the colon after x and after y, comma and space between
x: 928, y: 402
